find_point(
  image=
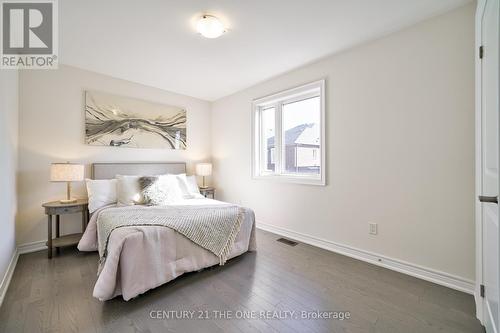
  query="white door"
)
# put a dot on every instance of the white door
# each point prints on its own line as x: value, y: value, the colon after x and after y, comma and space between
x: 489, y: 108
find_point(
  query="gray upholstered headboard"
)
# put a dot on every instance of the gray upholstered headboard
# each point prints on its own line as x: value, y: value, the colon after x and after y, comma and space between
x: 110, y: 170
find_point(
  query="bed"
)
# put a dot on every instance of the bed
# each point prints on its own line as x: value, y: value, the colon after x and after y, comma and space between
x: 140, y: 258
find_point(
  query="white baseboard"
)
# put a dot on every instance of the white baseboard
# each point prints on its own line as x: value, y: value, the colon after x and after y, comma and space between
x: 424, y: 273
x: 32, y: 247
x: 8, y: 276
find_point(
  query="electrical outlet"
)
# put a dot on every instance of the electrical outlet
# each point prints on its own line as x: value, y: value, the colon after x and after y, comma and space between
x: 373, y: 228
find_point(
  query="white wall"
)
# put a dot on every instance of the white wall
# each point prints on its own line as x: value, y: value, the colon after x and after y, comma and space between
x: 8, y: 162
x: 400, y: 148
x: 52, y: 121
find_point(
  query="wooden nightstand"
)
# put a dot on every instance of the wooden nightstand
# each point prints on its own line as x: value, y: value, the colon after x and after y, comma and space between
x: 208, y: 191
x: 56, y: 208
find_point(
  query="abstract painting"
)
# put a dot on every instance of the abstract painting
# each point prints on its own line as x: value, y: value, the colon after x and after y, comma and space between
x: 119, y: 121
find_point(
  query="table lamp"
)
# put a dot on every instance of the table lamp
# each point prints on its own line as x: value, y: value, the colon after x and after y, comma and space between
x: 204, y: 169
x: 66, y: 172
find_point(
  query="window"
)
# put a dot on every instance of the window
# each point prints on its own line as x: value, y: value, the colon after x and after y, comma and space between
x: 289, y: 135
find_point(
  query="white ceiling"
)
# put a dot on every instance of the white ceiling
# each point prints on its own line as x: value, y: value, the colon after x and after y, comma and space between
x: 154, y: 42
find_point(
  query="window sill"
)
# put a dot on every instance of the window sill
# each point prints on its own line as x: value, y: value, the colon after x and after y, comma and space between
x: 304, y: 180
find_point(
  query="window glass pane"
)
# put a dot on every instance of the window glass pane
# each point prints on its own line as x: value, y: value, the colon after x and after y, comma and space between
x: 301, y: 137
x: 268, y: 138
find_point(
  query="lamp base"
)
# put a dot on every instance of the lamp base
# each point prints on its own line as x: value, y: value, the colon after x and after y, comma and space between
x: 67, y: 201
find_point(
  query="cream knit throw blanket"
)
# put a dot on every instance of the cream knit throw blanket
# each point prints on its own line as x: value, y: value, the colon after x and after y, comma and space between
x: 213, y: 228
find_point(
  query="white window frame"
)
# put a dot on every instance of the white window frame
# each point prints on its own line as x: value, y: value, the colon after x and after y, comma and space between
x: 259, y: 171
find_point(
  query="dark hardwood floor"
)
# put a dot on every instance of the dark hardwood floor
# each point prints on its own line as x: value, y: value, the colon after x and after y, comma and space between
x: 56, y: 296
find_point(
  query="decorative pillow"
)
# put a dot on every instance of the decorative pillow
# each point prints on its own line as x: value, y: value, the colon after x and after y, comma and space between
x: 160, y: 190
x: 101, y: 192
x: 128, y: 190
x: 148, y: 188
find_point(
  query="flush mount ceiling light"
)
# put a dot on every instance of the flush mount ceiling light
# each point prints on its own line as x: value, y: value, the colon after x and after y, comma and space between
x: 210, y: 26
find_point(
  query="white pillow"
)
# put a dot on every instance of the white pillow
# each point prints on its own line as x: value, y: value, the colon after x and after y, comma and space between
x: 184, y: 186
x: 128, y: 190
x: 192, y: 185
x: 101, y: 192
x: 193, y: 189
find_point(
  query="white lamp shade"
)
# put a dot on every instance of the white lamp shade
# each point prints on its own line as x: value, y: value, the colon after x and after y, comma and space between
x: 66, y: 172
x: 204, y: 169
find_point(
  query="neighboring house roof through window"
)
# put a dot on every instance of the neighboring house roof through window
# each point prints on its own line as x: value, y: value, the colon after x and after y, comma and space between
x: 305, y: 134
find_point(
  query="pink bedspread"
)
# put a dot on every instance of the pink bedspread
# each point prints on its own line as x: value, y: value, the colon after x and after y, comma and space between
x: 144, y: 257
